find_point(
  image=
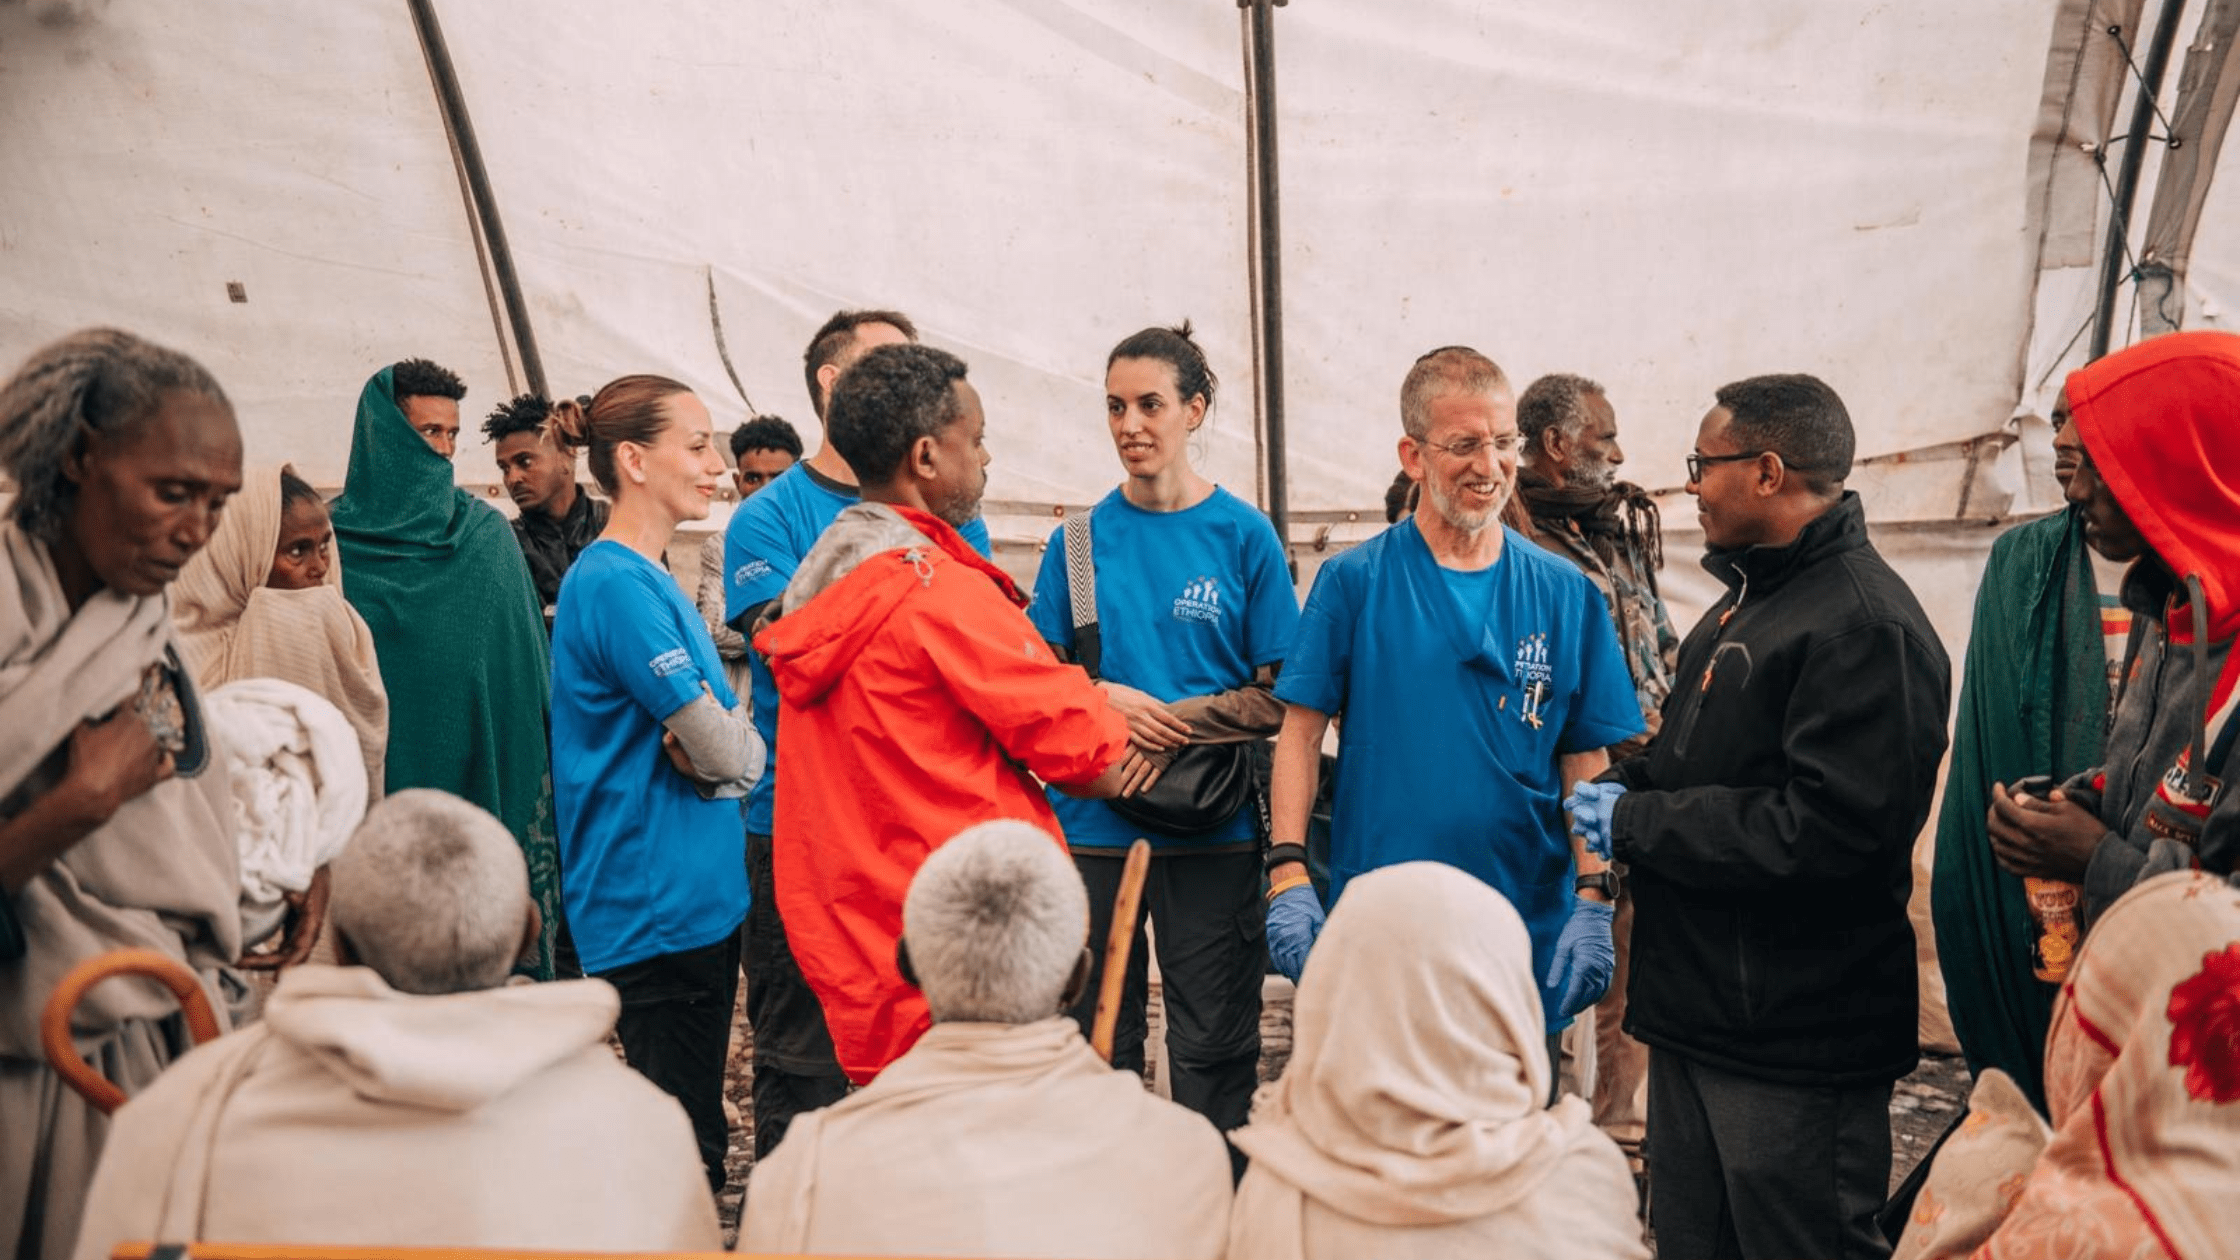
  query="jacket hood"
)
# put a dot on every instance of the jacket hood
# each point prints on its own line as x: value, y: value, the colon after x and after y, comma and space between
x: 859, y: 572
x: 454, y: 1052
x: 2161, y: 421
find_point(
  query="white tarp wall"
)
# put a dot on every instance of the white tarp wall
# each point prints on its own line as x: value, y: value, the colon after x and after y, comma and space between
x: 1665, y: 197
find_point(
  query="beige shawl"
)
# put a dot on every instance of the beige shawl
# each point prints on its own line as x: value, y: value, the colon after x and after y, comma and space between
x: 233, y: 626
x: 995, y: 1140
x: 1409, y: 1121
x: 355, y: 1114
x: 160, y: 874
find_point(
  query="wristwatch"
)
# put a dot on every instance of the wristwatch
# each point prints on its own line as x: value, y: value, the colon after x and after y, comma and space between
x: 1604, y: 881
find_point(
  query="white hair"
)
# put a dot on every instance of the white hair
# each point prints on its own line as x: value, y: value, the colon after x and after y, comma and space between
x: 432, y: 893
x: 995, y: 920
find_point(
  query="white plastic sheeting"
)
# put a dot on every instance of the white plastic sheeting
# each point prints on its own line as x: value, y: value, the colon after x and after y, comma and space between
x: 151, y: 154
x: 1665, y: 197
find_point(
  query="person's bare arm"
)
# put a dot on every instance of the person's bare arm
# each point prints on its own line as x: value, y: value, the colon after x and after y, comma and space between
x: 1294, y: 778
x: 1577, y: 768
x: 1104, y: 786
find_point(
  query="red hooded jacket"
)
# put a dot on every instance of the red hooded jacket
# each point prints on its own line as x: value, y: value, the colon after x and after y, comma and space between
x: 2161, y: 422
x: 914, y: 699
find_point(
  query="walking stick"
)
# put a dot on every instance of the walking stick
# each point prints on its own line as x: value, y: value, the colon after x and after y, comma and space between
x: 1118, y: 943
x: 54, y: 1023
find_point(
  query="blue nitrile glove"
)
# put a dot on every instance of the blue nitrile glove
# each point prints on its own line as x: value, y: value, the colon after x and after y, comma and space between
x: 1294, y: 921
x: 1586, y: 956
x: 1592, y: 806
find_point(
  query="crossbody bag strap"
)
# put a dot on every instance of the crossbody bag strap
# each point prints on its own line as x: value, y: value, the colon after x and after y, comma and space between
x: 1081, y: 589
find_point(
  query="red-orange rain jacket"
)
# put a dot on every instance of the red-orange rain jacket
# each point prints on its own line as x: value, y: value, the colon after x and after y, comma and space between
x: 914, y: 697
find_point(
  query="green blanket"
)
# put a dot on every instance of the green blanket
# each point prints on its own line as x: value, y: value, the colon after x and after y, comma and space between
x: 2033, y: 700
x: 441, y: 582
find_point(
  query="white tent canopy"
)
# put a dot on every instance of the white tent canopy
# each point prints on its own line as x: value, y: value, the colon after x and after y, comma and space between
x: 1664, y: 197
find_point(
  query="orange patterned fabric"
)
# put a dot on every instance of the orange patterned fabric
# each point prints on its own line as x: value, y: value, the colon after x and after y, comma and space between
x: 2143, y: 1083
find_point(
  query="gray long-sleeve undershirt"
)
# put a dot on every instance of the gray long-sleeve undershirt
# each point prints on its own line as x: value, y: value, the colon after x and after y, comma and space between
x: 722, y: 745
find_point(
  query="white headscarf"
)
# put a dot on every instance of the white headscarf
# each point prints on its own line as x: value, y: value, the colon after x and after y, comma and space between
x: 1413, y: 1099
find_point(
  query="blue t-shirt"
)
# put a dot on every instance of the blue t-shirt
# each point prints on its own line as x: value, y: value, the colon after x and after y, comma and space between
x: 762, y: 546
x: 646, y: 867
x: 1189, y: 603
x: 1454, y: 723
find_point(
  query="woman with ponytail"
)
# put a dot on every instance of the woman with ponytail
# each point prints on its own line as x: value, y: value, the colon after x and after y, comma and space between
x: 1193, y: 610
x: 651, y: 752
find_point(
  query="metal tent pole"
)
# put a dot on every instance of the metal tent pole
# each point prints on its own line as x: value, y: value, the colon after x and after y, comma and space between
x: 2143, y: 110
x: 493, y: 228
x: 1264, y: 252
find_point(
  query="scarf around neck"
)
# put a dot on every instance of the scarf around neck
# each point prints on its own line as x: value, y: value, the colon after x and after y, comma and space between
x: 1609, y: 517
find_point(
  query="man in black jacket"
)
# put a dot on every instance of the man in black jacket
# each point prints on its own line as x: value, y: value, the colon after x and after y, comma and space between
x: 1770, y: 834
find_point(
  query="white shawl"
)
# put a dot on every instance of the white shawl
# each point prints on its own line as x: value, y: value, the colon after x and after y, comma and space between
x: 358, y: 1115
x: 1409, y: 1121
x: 995, y: 1140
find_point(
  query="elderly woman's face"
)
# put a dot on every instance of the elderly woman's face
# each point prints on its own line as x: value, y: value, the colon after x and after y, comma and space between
x: 149, y: 498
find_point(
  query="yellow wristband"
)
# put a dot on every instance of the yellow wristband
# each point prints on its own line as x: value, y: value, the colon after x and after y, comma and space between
x: 1287, y: 885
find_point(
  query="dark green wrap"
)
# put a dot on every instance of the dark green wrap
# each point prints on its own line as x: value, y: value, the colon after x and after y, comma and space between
x: 440, y: 581
x: 2033, y: 700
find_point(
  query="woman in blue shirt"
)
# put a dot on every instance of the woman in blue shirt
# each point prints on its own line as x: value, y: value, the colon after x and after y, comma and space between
x: 1194, y: 611
x: 648, y: 758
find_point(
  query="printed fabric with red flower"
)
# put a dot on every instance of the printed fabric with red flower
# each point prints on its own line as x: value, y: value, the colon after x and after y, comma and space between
x: 2205, y: 1027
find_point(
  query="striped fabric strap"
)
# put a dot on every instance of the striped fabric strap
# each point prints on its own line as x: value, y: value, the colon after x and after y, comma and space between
x: 1081, y: 570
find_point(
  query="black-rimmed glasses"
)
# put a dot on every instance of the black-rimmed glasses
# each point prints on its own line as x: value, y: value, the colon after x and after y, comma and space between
x: 1698, y: 462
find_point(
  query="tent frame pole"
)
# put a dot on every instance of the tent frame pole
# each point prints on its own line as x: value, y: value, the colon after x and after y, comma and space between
x: 493, y: 228
x: 2143, y: 111
x: 1264, y: 255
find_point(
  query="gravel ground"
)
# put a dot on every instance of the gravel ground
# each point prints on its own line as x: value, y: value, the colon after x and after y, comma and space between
x: 1920, y: 1109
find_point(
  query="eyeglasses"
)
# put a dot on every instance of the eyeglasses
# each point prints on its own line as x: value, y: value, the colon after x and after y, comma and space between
x: 1464, y: 448
x: 1698, y: 462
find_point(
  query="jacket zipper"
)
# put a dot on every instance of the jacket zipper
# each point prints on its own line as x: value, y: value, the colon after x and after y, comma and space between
x: 1703, y: 687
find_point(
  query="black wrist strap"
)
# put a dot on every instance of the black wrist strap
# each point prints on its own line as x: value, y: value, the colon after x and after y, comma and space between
x: 12, y: 945
x: 1278, y: 854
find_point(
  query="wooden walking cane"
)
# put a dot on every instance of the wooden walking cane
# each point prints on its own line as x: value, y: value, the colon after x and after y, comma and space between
x: 1118, y: 944
x: 54, y: 1022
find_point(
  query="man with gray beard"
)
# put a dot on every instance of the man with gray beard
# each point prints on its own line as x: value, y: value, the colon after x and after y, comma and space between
x: 1569, y: 500
x: 1479, y: 680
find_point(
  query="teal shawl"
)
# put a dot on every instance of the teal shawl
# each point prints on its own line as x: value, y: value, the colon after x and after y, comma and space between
x: 2033, y: 700
x: 440, y: 581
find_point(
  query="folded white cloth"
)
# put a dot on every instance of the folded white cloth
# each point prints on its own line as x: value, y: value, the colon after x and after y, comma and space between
x: 299, y: 787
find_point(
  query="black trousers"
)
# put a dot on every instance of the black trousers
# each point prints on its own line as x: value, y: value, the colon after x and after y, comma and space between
x: 675, y: 1028
x: 1213, y: 953
x: 795, y: 1069
x: 1746, y: 1169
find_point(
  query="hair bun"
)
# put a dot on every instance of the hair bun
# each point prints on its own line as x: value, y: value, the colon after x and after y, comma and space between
x: 569, y: 423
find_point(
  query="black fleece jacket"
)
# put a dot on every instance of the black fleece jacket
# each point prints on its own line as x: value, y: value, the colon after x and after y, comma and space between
x: 1770, y: 828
